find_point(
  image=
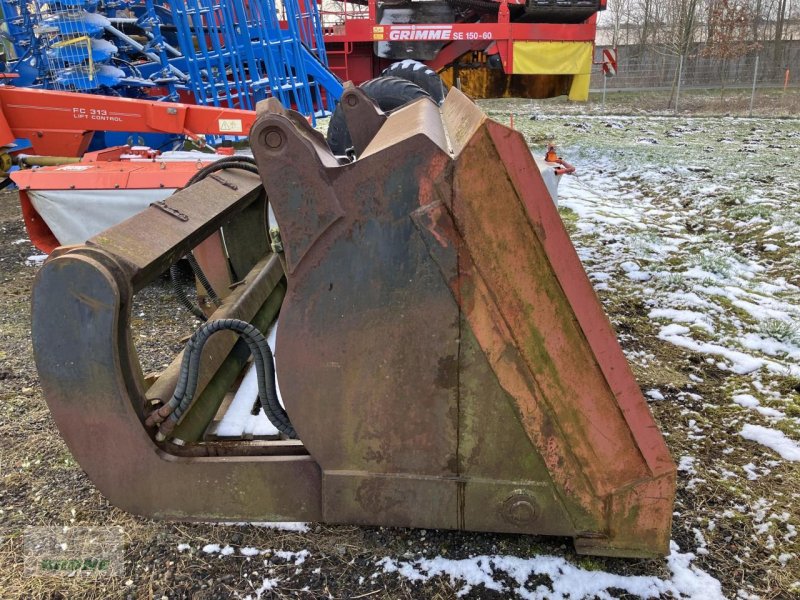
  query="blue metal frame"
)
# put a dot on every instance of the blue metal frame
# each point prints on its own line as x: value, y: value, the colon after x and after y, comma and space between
x: 258, y: 58
x: 230, y: 52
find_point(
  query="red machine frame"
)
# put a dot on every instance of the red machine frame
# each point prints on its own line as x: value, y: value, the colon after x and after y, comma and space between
x: 349, y: 42
x: 62, y: 123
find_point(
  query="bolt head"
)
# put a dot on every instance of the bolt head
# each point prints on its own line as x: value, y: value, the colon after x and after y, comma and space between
x: 273, y: 139
x: 520, y: 509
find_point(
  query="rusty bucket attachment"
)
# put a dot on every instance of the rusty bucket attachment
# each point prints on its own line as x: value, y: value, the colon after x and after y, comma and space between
x: 441, y: 353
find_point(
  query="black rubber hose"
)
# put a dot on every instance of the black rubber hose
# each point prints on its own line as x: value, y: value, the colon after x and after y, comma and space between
x: 180, y: 293
x: 239, y: 158
x: 198, y: 272
x: 265, y: 372
x: 244, y: 163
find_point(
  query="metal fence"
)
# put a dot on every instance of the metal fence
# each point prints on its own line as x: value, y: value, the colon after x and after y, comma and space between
x: 658, y: 68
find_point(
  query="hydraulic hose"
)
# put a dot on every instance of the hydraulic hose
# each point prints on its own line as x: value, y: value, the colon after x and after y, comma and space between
x: 244, y: 163
x: 180, y: 293
x: 198, y: 272
x: 190, y: 369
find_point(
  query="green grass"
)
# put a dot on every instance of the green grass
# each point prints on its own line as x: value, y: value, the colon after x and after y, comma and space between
x: 714, y: 263
x: 746, y: 212
x: 781, y: 330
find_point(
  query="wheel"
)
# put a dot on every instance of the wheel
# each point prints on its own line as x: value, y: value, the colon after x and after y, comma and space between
x: 421, y: 74
x: 388, y: 93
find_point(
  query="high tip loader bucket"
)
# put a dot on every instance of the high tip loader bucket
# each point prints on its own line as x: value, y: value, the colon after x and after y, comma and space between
x: 441, y: 353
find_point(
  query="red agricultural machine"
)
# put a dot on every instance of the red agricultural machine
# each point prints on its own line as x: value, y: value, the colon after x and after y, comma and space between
x: 68, y: 195
x: 413, y: 333
x: 487, y: 48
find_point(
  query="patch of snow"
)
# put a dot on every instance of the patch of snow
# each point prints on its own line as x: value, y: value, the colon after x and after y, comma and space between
x: 278, y: 525
x: 95, y: 18
x: 702, y: 544
x: 671, y: 330
x: 654, y: 394
x: 769, y: 346
x: 751, y: 402
x: 683, y: 316
x: 568, y: 582
x: 750, y: 469
x: 773, y: 439
x: 760, y: 311
x: 786, y: 557
x: 792, y: 532
x: 772, y: 413
x: 238, y: 419
x: 266, y: 585
x: 742, y: 363
x: 686, y: 465
x: 298, y: 558
x: 36, y: 259
x: 638, y: 275
x: 746, y: 400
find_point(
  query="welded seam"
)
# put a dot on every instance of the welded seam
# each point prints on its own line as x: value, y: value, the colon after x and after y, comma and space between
x: 461, y: 491
x: 450, y: 149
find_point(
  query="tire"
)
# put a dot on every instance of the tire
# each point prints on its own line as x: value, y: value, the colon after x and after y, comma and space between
x: 388, y: 93
x: 421, y: 74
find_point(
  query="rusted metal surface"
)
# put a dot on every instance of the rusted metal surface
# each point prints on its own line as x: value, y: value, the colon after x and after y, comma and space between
x: 93, y: 384
x: 441, y: 352
x: 210, y: 255
x: 362, y: 124
x: 148, y: 243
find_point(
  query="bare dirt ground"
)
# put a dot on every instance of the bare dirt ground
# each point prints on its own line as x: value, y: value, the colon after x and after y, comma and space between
x: 662, y: 208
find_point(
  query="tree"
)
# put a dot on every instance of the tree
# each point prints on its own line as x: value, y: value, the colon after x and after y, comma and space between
x: 780, y: 20
x: 729, y: 28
